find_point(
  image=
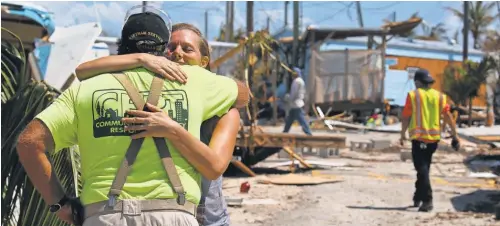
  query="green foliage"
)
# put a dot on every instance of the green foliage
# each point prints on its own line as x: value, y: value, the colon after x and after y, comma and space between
x: 22, y: 99
x: 236, y: 35
x: 480, y: 16
x: 462, y: 84
x: 434, y: 33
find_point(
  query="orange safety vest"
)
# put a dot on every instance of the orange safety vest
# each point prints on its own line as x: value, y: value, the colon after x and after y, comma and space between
x: 427, y: 106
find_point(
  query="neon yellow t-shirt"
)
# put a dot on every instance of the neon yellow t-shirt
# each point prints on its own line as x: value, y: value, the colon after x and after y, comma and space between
x: 89, y: 114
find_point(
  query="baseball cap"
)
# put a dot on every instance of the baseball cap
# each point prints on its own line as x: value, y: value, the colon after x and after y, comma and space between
x: 145, y: 31
x: 297, y: 71
x: 424, y: 76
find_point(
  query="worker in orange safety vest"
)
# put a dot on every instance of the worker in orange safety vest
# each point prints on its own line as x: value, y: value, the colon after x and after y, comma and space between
x: 422, y: 114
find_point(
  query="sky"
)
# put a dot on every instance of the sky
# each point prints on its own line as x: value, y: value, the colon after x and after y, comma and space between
x: 326, y: 13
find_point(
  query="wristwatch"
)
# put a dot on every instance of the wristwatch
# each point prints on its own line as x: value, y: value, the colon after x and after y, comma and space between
x: 56, y: 207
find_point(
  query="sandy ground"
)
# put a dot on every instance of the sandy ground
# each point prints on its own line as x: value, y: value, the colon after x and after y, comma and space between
x: 370, y: 193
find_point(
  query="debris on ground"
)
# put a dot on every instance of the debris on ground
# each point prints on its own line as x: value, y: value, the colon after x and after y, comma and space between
x: 376, y: 187
x: 260, y: 202
x: 287, y: 198
x: 458, y: 215
x: 310, y: 162
x: 298, y: 179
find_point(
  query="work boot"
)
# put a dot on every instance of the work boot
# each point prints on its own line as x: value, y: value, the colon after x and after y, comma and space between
x: 426, y: 207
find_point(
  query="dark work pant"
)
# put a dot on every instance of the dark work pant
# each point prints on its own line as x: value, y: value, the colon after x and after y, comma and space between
x: 422, y: 159
x: 297, y: 114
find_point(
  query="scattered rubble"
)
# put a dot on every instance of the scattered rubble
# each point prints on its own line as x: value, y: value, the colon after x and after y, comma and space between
x: 459, y: 215
x: 254, y: 207
x: 376, y: 187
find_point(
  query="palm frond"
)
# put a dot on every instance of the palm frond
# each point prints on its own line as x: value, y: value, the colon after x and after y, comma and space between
x: 463, y: 84
x: 480, y: 18
x: 22, y: 99
x: 456, y: 12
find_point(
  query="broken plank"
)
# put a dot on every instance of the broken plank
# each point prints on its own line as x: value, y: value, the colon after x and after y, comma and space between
x: 295, y: 156
x: 492, y: 138
x: 297, y: 179
x: 243, y: 168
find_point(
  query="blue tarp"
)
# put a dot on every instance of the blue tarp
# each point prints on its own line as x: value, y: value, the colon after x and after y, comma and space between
x: 36, y: 13
x: 44, y: 19
x: 42, y: 53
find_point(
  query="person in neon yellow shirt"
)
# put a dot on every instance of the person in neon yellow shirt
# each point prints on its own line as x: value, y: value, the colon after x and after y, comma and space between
x: 90, y: 114
x: 186, y: 46
x: 422, y: 114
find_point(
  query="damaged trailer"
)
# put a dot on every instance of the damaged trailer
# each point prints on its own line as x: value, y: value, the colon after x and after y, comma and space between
x: 344, y: 80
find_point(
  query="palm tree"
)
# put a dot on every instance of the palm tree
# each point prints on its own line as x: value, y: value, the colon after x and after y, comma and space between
x: 22, y: 99
x: 462, y: 85
x: 454, y: 81
x: 236, y: 36
x: 434, y: 33
x: 480, y: 17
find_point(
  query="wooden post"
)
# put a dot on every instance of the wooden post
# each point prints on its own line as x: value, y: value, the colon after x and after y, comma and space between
x: 466, y: 52
x: 346, y: 75
x: 251, y: 105
x: 295, y: 45
x: 275, y: 92
x: 384, y: 45
x: 466, y: 32
x: 35, y: 70
x: 286, y: 13
x: 311, y: 82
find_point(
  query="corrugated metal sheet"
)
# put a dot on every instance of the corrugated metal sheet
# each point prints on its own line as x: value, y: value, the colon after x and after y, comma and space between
x: 420, y: 44
x: 403, y: 47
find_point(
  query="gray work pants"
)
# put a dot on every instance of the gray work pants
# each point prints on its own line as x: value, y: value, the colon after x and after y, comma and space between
x: 133, y: 216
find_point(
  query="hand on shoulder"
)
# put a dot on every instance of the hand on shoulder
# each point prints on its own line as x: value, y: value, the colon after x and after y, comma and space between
x: 164, y: 67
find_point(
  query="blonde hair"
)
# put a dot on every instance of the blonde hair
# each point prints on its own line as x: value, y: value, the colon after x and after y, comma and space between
x: 205, y: 49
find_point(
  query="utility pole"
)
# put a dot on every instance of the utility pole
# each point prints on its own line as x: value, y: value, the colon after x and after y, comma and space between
x: 498, y: 8
x: 250, y: 67
x: 144, y: 4
x: 466, y: 32
x: 466, y: 51
x: 231, y: 20
x: 360, y: 14
x: 361, y: 24
x: 227, y: 37
x: 295, y: 46
x: 286, y: 13
x: 274, y: 78
x: 301, y: 21
x: 206, y: 24
x: 249, y: 18
x: 268, y: 23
